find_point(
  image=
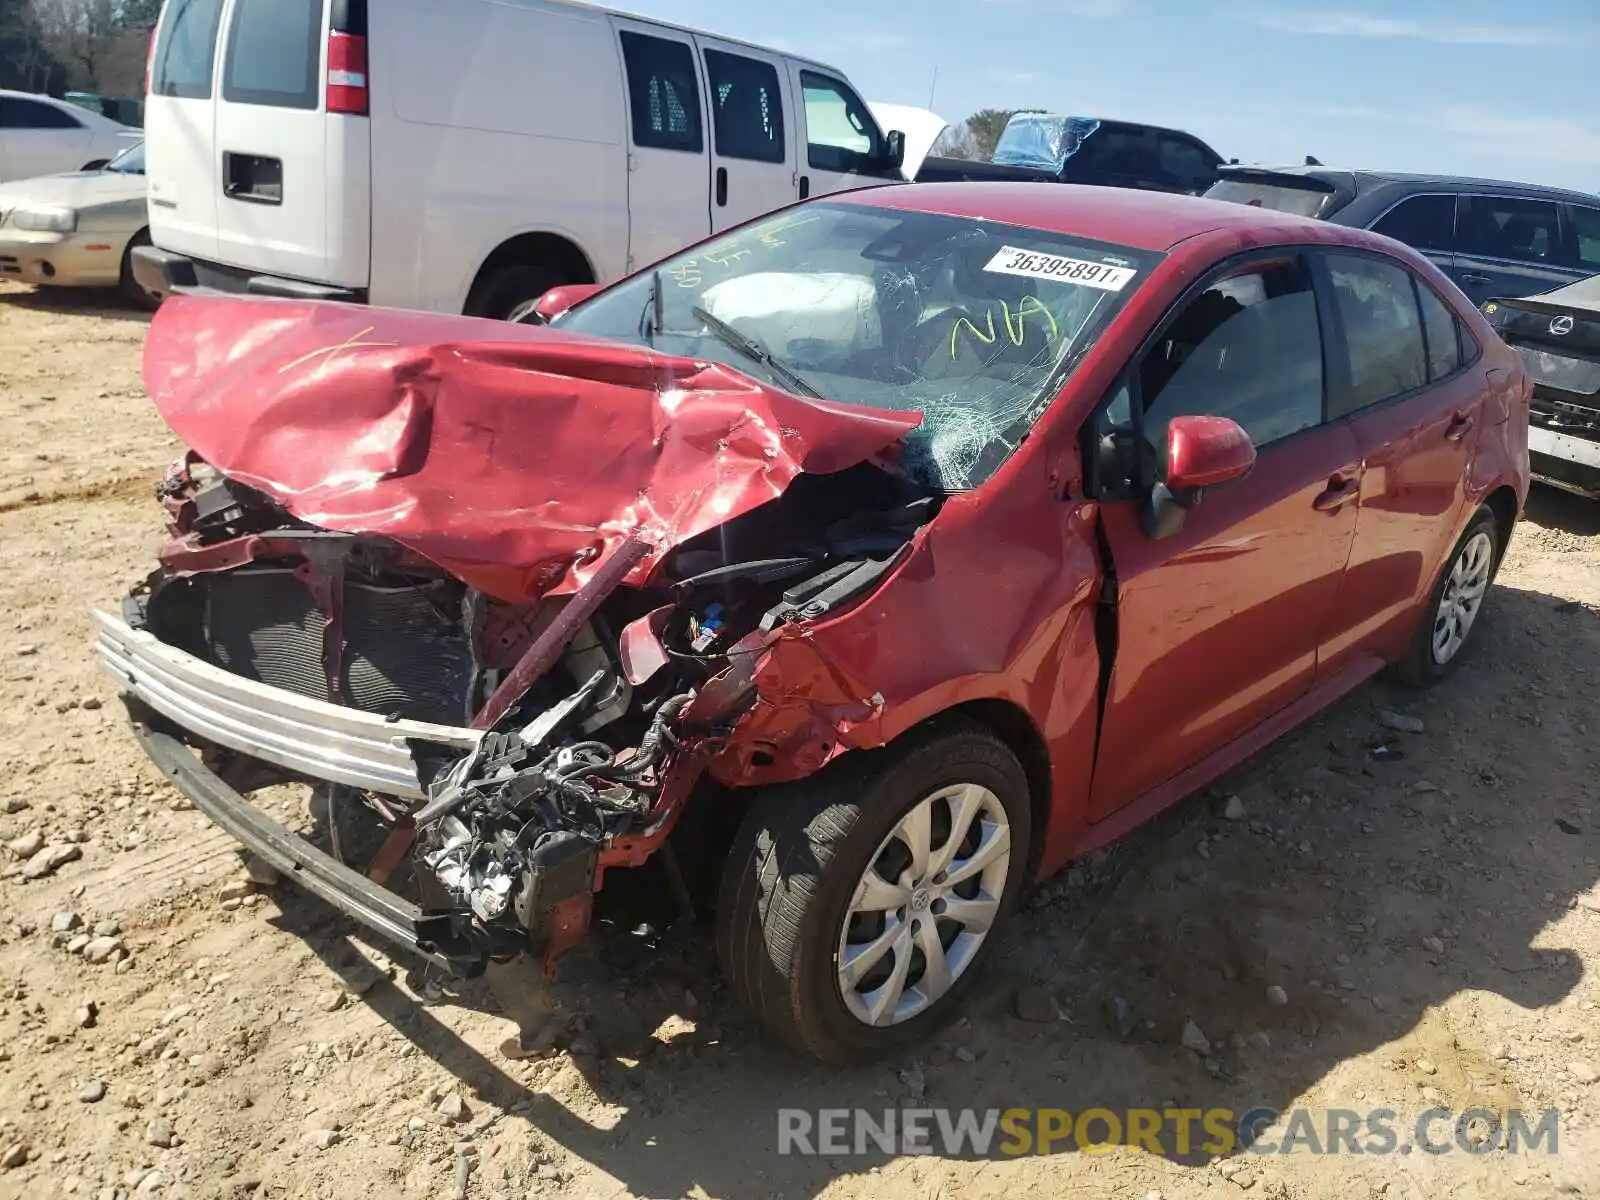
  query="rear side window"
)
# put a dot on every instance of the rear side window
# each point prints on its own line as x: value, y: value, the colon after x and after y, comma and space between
x: 663, y: 93
x: 1382, y: 330
x: 186, y: 51
x: 1509, y: 227
x: 1425, y: 222
x: 1586, y: 236
x: 747, y: 107
x: 1185, y: 164
x: 274, y: 54
x: 30, y: 114
x: 1115, y: 152
x: 1439, y: 326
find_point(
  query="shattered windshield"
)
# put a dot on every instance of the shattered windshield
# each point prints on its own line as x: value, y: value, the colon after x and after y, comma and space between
x: 972, y: 323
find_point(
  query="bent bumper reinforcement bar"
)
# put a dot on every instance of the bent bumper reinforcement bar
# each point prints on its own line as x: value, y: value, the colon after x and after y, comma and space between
x: 296, y: 859
x: 310, y: 737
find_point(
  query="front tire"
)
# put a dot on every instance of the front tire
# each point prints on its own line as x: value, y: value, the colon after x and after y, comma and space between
x: 127, y: 286
x: 858, y: 907
x: 1456, y: 604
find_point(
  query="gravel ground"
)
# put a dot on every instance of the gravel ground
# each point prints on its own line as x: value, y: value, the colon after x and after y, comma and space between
x: 1325, y: 930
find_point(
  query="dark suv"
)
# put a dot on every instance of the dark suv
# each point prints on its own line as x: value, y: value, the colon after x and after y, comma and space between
x: 1496, y: 240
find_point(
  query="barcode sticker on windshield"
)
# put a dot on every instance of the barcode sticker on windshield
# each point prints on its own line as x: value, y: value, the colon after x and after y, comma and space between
x: 1011, y: 261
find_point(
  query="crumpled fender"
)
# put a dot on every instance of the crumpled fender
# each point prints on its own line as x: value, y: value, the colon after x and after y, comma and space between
x: 516, y: 457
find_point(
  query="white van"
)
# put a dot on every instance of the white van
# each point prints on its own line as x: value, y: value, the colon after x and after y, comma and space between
x: 467, y: 155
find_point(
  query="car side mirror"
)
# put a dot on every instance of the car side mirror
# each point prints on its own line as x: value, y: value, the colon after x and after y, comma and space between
x: 1202, y: 452
x: 894, y: 152
x: 556, y: 301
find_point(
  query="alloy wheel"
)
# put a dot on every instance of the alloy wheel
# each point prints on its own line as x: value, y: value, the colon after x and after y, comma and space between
x: 924, y: 905
x: 1462, y: 597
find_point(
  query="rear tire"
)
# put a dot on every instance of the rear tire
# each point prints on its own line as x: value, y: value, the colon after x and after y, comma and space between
x: 127, y: 286
x: 810, y: 880
x: 507, y: 293
x: 1455, y: 607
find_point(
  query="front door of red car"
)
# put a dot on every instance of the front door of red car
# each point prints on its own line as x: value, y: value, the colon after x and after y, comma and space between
x: 1414, y: 387
x: 1217, y: 625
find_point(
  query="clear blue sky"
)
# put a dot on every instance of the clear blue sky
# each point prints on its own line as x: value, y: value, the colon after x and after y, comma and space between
x: 1425, y: 85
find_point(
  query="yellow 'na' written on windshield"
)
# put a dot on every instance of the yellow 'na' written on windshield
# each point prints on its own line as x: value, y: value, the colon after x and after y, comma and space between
x: 1015, y: 325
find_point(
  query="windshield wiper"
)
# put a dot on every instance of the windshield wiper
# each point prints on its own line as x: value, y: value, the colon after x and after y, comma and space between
x: 650, y: 315
x: 751, y: 348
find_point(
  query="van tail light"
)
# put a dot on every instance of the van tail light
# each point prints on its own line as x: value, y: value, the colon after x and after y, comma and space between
x: 347, y: 74
x: 150, y: 62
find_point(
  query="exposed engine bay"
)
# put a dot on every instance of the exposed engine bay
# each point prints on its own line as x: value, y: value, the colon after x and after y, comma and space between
x: 598, y: 710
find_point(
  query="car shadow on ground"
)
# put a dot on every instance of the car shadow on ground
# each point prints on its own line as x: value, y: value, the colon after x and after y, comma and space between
x: 1557, y: 509
x: 1369, y: 887
x: 105, y: 303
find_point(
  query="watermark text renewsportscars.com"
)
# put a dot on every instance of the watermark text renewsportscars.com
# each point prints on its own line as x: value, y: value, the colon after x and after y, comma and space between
x: 1179, y: 1132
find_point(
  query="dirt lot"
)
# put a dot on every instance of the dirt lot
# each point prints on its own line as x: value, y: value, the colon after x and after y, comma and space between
x: 1433, y: 921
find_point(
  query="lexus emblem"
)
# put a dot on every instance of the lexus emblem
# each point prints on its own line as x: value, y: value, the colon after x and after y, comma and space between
x: 1561, y: 326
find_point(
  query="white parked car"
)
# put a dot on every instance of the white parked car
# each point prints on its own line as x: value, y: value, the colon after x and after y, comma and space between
x: 40, y: 135
x: 77, y: 230
x: 468, y: 156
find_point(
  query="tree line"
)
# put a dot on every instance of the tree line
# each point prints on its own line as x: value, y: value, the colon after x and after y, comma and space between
x: 55, y: 46
x: 975, y: 137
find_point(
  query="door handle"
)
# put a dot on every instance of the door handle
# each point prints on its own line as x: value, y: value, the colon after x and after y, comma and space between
x: 1473, y: 277
x: 722, y: 187
x: 1460, y: 425
x: 805, y: 186
x: 1339, y: 492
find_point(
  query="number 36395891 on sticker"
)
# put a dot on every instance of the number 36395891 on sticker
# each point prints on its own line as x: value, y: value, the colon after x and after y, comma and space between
x: 1012, y: 261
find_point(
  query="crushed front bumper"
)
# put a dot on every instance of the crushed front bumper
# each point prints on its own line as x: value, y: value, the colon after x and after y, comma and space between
x: 310, y: 738
x: 297, y: 860
x: 163, y: 687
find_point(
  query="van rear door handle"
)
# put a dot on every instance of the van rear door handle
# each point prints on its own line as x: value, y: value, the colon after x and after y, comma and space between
x: 722, y: 187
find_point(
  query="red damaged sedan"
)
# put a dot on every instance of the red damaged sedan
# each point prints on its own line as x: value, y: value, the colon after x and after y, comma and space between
x: 881, y: 554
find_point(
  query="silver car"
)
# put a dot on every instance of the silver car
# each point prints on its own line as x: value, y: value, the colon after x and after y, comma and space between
x: 77, y: 230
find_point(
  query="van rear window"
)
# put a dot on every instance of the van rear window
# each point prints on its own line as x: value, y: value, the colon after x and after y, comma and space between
x: 187, y: 50
x: 275, y: 54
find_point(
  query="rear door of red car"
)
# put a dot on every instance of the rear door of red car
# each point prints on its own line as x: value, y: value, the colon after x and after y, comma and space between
x: 1218, y: 625
x: 1412, y: 386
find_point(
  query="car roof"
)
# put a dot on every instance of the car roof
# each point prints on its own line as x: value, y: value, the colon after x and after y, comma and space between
x: 87, y: 114
x: 680, y: 27
x: 1125, y: 216
x: 1366, y: 180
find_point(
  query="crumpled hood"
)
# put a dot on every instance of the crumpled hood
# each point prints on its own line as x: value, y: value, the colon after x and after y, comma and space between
x: 516, y: 457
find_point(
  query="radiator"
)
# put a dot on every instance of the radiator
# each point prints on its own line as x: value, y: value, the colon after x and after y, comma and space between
x: 400, y: 656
